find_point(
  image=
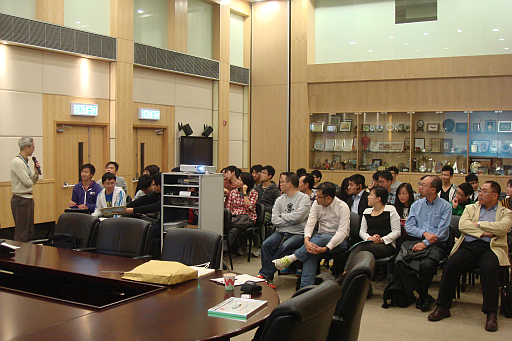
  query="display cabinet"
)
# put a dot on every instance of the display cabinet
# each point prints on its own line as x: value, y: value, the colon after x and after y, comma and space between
x: 419, y: 142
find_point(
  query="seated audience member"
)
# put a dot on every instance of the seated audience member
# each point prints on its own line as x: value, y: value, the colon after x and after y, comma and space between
x: 417, y: 195
x: 306, y: 183
x: 149, y: 170
x: 507, y: 201
x: 301, y: 172
x: 267, y: 191
x: 472, y: 179
x: 462, y: 198
x: 242, y: 204
x: 318, y: 177
x: 144, y: 186
x: 342, y: 193
x: 86, y: 191
x: 231, y: 174
x: 403, y: 201
x: 385, y: 179
x: 110, y: 196
x: 395, y: 183
x: 448, y: 189
x: 380, y: 224
x: 289, y: 217
x: 358, y: 200
x: 483, y: 245
x: 113, y: 167
x: 255, y: 172
x: 428, y: 228
x: 333, y: 217
x: 375, y: 181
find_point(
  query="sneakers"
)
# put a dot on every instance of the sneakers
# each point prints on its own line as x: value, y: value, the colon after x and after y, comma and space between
x: 270, y: 283
x: 287, y: 271
x: 282, y: 263
x: 256, y: 253
x: 241, y: 251
x: 260, y: 276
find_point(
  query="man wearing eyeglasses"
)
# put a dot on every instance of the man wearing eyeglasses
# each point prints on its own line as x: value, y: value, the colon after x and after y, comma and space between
x: 483, y: 245
x: 428, y: 228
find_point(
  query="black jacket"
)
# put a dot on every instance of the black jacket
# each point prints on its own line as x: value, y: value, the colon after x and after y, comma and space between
x: 363, y: 203
x: 149, y: 203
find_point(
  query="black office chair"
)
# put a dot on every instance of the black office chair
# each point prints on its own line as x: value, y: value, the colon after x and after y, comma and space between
x: 306, y: 316
x: 193, y: 247
x: 72, y: 231
x: 354, y: 290
x: 123, y: 237
x: 340, y: 259
x: 257, y: 229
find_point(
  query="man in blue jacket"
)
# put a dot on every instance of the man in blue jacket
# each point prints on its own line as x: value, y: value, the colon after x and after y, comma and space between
x: 86, y: 191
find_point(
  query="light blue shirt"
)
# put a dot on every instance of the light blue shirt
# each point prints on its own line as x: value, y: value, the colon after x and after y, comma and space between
x: 485, y: 215
x: 432, y: 217
x: 355, y: 204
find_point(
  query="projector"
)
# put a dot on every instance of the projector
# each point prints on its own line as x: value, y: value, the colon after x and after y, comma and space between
x: 197, y: 169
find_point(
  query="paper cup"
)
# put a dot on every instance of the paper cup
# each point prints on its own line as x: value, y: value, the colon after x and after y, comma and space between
x: 229, y: 281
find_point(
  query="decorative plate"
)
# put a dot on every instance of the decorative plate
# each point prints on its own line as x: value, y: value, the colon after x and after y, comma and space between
x: 372, y: 128
x: 407, y: 142
x: 319, y: 145
x: 420, y: 124
x: 506, y: 148
x: 390, y: 126
x: 380, y: 128
x: 448, y: 125
x: 400, y: 127
x: 407, y: 127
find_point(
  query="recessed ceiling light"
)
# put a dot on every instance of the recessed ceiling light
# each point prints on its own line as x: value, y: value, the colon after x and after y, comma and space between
x: 78, y: 22
x: 417, y: 50
x: 459, y: 31
x: 391, y: 37
x: 370, y: 50
x: 406, y: 43
x: 352, y: 42
x: 426, y: 55
x: 501, y: 39
x: 446, y: 48
x: 495, y: 29
x: 506, y: 48
x: 426, y: 33
x: 4, y: 42
x: 140, y: 11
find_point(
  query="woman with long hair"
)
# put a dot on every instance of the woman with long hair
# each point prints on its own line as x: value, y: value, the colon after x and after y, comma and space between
x: 242, y: 204
x: 404, y: 200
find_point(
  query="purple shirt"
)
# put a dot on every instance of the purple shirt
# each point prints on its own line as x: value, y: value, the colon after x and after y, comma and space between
x: 83, y: 197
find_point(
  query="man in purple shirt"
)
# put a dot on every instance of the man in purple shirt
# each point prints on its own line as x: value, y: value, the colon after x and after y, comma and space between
x: 86, y: 191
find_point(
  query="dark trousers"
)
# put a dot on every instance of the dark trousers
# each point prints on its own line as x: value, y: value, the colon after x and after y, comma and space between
x: 420, y: 282
x: 239, y: 223
x: 469, y: 256
x: 23, y: 214
x: 378, y: 250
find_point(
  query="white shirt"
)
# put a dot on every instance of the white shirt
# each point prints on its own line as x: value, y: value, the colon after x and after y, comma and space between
x: 355, y: 204
x: 333, y: 219
x: 395, y: 225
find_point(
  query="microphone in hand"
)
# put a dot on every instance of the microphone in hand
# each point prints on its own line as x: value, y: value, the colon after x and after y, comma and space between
x: 37, y: 167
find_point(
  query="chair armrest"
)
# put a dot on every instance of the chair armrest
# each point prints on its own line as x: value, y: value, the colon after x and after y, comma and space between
x: 86, y: 249
x: 142, y: 257
x: 39, y: 241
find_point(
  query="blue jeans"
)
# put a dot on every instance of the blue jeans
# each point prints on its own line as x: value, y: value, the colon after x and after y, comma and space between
x: 310, y: 261
x: 276, y: 246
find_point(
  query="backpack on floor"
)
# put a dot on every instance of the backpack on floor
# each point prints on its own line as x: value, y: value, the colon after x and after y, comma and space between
x: 506, y: 301
x: 394, y: 295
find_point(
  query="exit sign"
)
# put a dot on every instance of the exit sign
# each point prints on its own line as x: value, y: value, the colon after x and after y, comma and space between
x: 80, y: 109
x: 149, y: 114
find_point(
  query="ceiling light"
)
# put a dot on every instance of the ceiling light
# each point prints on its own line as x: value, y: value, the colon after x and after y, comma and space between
x: 417, y: 50
x: 370, y: 50
x: 446, y: 48
x: 391, y: 37
x: 352, y: 42
x: 4, y: 42
x: 459, y: 31
x: 506, y: 48
x: 426, y: 33
x: 495, y: 29
x: 501, y: 39
x: 406, y: 43
x: 140, y: 11
x: 78, y: 22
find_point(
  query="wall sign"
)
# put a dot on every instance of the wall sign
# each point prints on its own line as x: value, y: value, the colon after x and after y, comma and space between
x: 149, y: 114
x: 80, y: 109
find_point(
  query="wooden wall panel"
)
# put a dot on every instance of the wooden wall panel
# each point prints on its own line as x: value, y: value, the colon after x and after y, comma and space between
x: 177, y: 34
x: 268, y: 126
x: 474, y: 93
x: 299, y: 127
x: 448, y: 67
x: 51, y: 11
x: 121, y: 19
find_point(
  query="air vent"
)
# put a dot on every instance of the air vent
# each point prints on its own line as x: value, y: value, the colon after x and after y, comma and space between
x: 55, y: 37
x: 239, y: 75
x: 153, y: 57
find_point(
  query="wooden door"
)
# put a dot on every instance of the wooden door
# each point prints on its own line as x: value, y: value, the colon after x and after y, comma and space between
x: 149, y: 148
x: 75, y: 146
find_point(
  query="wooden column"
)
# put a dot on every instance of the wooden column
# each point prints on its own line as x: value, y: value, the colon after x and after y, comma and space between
x: 177, y: 34
x: 51, y: 11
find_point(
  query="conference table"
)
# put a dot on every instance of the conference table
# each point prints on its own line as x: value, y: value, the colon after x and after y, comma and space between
x: 176, y: 312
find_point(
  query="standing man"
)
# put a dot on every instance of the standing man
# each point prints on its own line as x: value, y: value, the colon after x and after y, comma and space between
x: 289, y: 217
x: 448, y: 189
x: 482, y: 244
x: 428, y: 228
x: 358, y: 200
x: 22, y: 180
x: 333, y: 217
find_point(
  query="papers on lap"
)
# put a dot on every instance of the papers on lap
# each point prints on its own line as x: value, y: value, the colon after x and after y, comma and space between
x: 237, y: 308
x: 111, y: 211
